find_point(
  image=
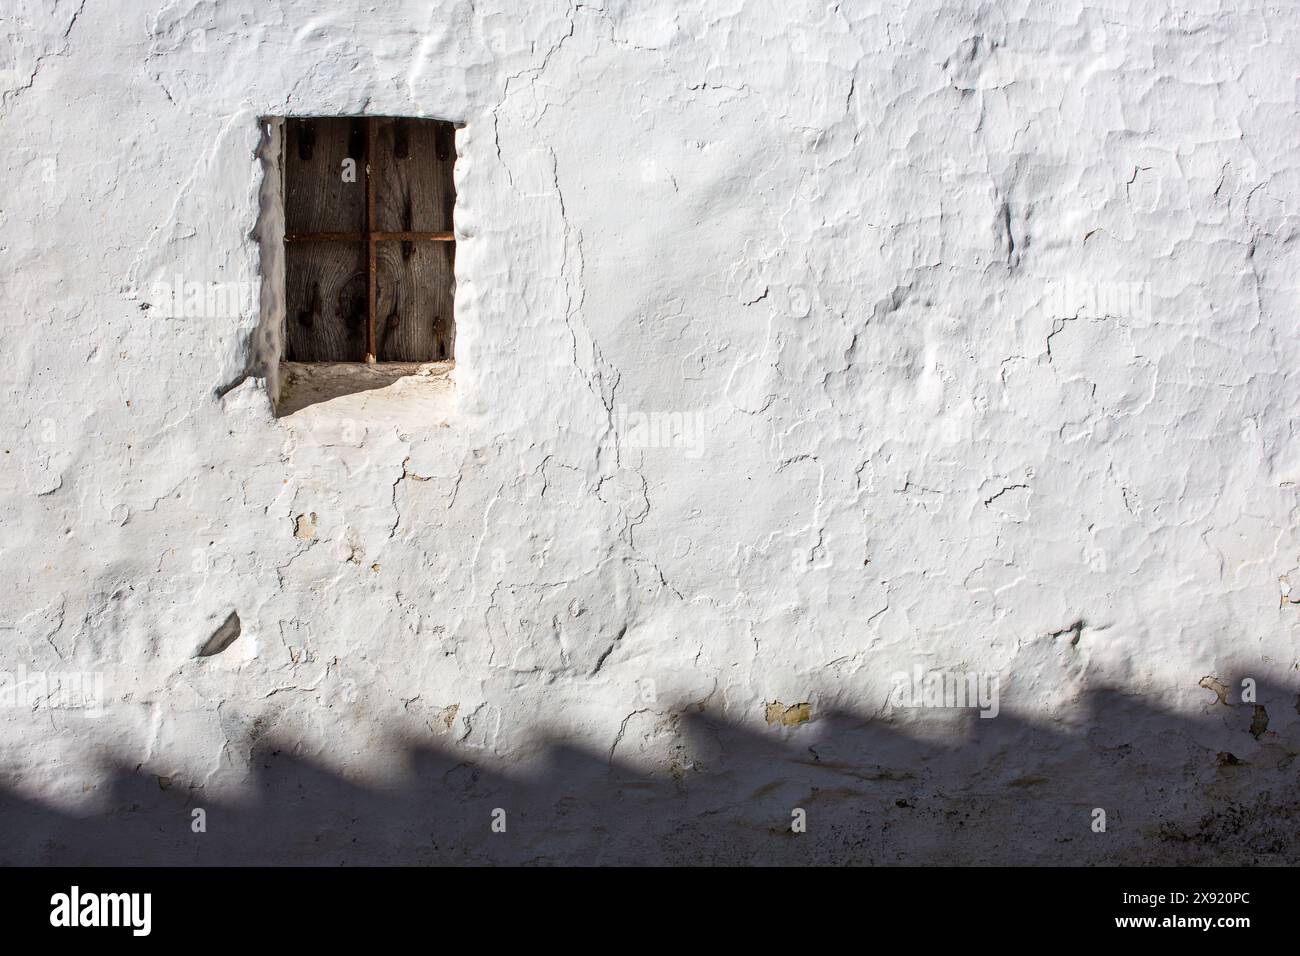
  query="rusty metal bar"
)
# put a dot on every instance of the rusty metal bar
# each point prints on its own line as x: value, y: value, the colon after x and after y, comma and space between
x: 372, y: 260
x: 367, y: 236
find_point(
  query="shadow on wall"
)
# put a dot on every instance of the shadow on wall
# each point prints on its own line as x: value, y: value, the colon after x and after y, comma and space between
x: 303, y: 384
x: 995, y: 791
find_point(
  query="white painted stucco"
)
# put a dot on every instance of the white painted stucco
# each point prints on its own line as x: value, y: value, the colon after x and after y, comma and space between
x: 798, y: 345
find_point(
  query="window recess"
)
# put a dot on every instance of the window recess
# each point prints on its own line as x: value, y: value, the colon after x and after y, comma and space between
x: 369, y: 242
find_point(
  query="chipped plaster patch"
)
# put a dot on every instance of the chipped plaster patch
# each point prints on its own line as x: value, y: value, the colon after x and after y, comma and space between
x: 791, y: 716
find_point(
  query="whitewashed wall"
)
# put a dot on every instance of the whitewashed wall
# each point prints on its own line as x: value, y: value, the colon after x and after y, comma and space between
x: 799, y: 345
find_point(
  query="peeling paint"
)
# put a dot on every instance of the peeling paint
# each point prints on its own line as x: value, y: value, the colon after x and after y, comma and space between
x: 778, y: 713
x: 1219, y: 688
x: 1259, y: 722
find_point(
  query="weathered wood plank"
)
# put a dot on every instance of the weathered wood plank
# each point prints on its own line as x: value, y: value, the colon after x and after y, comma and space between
x: 324, y: 282
x: 415, y: 192
x: 415, y: 302
x: 414, y: 175
x: 316, y: 199
x: 325, y: 292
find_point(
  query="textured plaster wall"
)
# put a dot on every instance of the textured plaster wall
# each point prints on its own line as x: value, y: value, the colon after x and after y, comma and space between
x: 798, y: 345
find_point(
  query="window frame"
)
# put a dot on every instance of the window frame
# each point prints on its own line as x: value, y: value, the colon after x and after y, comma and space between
x: 371, y: 235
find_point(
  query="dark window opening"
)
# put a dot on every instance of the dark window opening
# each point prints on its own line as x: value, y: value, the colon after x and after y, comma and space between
x: 369, y: 242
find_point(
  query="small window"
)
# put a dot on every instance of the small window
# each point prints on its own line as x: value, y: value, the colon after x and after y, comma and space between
x: 369, y: 243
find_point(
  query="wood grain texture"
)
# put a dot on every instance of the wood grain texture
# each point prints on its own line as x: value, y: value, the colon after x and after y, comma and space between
x: 415, y: 302
x: 324, y: 281
x: 415, y: 192
x: 316, y: 199
x: 325, y: 288
x: 413, y: 175
x: 327, y: 282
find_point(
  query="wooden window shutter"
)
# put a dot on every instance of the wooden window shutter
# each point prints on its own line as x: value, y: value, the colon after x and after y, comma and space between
x: 369, y: 258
